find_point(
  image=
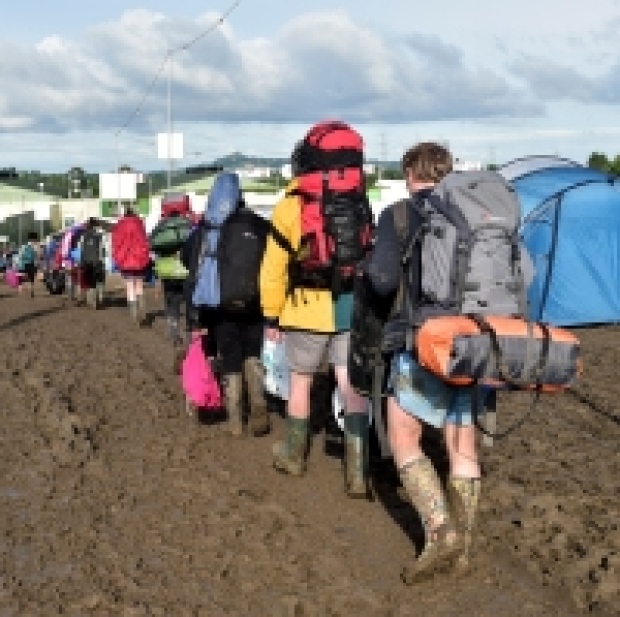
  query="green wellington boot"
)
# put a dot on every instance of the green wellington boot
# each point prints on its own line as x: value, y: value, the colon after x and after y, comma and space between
x: 289, y: 455
x: 356, y: 455
x: 259, y: 414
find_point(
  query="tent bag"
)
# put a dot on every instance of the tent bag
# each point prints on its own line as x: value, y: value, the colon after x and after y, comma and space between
x: 498, y: 352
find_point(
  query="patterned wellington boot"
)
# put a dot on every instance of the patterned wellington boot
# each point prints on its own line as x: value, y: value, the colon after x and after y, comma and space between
x: 464, y: 494
x: 443, y: 545
x: 259, y: 414
x: 356, y: 455
x: 233, y: 400
x: 289, y: 455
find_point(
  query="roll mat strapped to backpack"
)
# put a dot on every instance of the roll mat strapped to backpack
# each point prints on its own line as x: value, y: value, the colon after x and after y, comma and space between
x: 498, y: 352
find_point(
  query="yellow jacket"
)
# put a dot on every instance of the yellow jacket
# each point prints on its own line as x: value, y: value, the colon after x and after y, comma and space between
x: 304, y: 309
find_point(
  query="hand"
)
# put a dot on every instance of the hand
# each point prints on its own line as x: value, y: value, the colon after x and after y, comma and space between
x: 273, y: 334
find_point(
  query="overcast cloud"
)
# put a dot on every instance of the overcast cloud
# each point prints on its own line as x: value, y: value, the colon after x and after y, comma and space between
x: 76, y: 93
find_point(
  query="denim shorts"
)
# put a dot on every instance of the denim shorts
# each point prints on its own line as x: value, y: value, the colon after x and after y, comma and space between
x: 425, y: 396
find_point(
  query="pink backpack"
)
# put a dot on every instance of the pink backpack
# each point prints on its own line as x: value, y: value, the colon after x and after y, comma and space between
x: 12, y: 278
x: 199, y: 382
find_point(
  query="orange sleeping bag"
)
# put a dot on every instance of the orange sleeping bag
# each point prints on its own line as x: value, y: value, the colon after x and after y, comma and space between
x: 498, y: 352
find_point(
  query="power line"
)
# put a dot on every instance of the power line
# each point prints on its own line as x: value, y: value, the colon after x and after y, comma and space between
x: 167, y: 57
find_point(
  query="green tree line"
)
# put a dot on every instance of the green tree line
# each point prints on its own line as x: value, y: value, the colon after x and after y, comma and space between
x: 598, y: 160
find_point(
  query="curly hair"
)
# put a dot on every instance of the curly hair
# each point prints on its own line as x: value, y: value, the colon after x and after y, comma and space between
x: 427, y: 161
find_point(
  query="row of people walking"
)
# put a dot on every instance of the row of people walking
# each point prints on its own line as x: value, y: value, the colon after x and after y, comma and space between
x: 303, y: 297
x: 291, y: 280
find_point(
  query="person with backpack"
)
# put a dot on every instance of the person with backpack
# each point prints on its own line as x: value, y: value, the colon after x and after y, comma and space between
x: 223, y: 257
x: 414, y: 240
x: 27, y: 262
x: 92, y: 264
x: 321, y: 229
x: 167, y: 240
x: 131, y: 254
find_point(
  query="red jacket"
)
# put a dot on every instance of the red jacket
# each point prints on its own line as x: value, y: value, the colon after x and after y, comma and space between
x: 130, y: 245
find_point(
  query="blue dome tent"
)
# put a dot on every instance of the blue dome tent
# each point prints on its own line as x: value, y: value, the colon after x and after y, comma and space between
x: 571, y: 228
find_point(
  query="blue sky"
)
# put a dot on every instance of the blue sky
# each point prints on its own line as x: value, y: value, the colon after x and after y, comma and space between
x: 86, y: 83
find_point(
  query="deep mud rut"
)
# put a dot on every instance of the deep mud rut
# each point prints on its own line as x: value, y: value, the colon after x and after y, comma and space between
x: 114, y: 502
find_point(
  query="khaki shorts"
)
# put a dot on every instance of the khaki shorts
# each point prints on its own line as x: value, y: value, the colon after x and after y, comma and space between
x: 305, y: 350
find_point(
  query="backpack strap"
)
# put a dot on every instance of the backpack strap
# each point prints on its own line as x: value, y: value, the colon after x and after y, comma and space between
x: 280, y: 239
x: 400, y: 211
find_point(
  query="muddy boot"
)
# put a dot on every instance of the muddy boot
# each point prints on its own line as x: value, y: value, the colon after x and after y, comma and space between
x: 233, y: 400
x: 99, y: 291
x: 142, y: 316
x: 443, y: 545
x: 356, y: 455
x: 464, y: 496
x: 80, y: 298
x: 289, y: 455
x: 180, y: 351
x: 259, y: 414
x: 91, y: 298
x: 133, y: 310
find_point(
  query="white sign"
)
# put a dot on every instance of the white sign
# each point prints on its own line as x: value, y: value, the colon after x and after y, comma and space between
x: 170, y: 145
x: 118, y: 186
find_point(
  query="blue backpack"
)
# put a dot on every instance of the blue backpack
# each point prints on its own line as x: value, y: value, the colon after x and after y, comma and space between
x: 224, y: 199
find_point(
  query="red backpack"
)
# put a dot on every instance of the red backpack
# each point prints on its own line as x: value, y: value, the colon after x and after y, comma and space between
x: 175, y: 204
x: 336, y: 218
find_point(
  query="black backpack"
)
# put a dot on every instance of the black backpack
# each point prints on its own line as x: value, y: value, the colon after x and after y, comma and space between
x: 240, y: 250
x: 91, y: 247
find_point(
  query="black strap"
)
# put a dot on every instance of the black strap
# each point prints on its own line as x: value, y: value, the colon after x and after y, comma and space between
x: 475, y: 412
x: 503, y: 370
x: 280, y: 239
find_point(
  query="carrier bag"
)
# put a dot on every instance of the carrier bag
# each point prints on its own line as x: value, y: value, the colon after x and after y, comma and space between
x: 198, y: 379
x: 277, y: 372
x: 498, y: 352
x: 13, y: 278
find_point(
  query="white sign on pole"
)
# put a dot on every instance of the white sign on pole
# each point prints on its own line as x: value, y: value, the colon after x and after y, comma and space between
x: 169, y: 145
x: 118, y: 186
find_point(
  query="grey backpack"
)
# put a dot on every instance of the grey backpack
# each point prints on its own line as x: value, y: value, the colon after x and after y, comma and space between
x: 470, y: 251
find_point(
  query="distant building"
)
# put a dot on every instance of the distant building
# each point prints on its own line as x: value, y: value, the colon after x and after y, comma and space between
x: 251, y: 172
x: 460, y: 165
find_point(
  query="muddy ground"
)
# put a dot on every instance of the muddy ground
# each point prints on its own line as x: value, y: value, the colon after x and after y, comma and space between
x: 114, y: 502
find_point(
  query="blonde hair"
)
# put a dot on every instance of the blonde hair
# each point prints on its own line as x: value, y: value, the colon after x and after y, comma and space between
x: 427, y: 161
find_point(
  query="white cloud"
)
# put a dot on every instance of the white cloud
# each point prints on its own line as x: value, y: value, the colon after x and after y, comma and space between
x: 318, y: 64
